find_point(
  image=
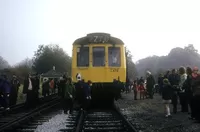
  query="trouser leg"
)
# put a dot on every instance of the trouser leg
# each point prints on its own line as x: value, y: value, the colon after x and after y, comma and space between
x: 135, y: 94
x: 197, y: 107
x: 5, y: 101
x: 193, y: 107
x: 174, y: 102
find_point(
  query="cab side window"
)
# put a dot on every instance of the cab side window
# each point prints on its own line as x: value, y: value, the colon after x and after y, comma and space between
x: 114, y: 57
x: 82, y: 56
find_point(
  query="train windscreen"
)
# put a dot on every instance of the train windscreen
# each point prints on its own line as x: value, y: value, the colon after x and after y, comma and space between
x: 98, y: 56
x: 83, y: 57
x: 114, y: 57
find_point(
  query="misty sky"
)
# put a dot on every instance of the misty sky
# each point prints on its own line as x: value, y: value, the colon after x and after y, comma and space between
x: 147, y: 27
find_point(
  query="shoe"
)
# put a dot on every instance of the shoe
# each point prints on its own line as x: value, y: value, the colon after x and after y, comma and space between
x: 1, y: 108
x: 8, y: 108
x: 191, y: 118
x: 168, y: 116
x: 174, y: 110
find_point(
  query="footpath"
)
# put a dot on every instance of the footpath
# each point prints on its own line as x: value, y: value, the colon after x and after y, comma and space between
x: 148, y: 115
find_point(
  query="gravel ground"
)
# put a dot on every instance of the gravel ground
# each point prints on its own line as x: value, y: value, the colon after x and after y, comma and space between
x: 148, y: 116
x: 54, y: 124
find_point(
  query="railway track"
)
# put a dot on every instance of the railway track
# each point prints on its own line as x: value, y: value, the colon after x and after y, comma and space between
x: 19, y: 107
x: 103, y: 120
x: 17, y: 118
x: 98, y: 120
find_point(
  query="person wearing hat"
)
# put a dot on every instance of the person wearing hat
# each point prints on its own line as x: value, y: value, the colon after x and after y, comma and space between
x: 167, y: 92
x: 150, y: 84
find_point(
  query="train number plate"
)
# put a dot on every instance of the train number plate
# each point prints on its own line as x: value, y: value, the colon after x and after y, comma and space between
x: 114, y: 69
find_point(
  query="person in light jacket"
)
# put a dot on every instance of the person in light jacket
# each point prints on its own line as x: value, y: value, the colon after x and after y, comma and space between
x: 182, y: 94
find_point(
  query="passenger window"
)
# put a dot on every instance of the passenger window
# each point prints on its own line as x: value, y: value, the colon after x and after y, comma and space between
x: 98, y: 56
x: 114, y: 57
x: 82, y: 56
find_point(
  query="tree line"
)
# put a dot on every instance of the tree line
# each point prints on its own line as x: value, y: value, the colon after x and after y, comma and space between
x: 187, y: 56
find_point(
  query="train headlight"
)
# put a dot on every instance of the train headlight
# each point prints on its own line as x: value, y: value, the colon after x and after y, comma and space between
x: 78, y: 77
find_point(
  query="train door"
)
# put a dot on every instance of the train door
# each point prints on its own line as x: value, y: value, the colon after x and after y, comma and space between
x: 98, y: 63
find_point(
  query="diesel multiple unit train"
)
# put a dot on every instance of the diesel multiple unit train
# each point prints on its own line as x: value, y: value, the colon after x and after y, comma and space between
x: 100, y: 58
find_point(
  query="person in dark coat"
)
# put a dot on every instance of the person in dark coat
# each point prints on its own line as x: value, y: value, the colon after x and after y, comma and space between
x: 135, y: 90
x: 188, y: 87
x: 29, y: 90
x: 167, y: 74
x: 127, y: 85
x: 174, y: 81
x: 45, y: 88
x: 87, y: 94
x: 15, y: 84
x: 150, y: 84
x: 195, y: 111
x: 167, y: 96
x: 37, y: 87
x: 61, y: 86
x: 160, y: 83
x: 5, y: 88
x: 69, y: 94
x: 1, y: 91
x: 80, y: 93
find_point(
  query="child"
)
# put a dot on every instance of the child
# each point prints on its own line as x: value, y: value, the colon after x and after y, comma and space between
x: 167, y: 96
x: 142, y: 90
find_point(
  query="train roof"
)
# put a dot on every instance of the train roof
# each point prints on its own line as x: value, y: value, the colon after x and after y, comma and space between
x: 100, y: 38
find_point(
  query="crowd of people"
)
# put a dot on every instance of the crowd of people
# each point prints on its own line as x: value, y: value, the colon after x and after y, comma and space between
x: 145, y: 87
x: 8, y: 91
x: 178, y: 86
x: 183, y: 86
x: 66, y: 89
x: 80, y: 92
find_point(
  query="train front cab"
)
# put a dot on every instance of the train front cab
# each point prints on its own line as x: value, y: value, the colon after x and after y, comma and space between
x: 95, y: 62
